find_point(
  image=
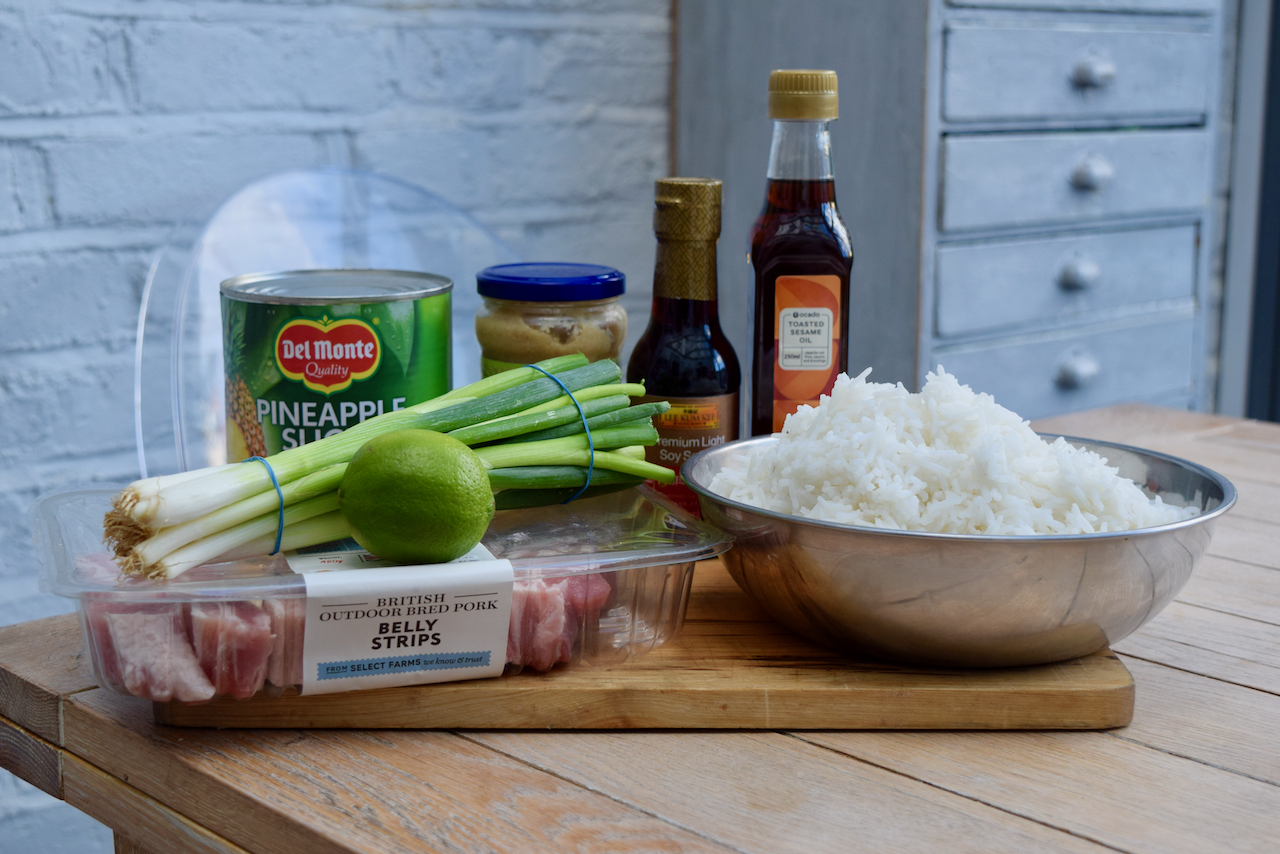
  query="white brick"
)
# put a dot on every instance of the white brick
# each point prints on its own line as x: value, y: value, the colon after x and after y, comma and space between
x: 620, y: 235
x: 192, y: 66
x: 627, y: 69
x: 580, y: 162
x: 63, y: 299
x: 598, y: 7
x: 471, y: 70
x: 60, y: 65
x: 65, y: 405
x: 20, y: 560
x: 22, y: 600
x: 509, y: 66
x: 21, y: 485
x: 161, y: 179
x: 449, y: 162
x: 24, y: 197
x: 11, y: 207
x: 564, y: 9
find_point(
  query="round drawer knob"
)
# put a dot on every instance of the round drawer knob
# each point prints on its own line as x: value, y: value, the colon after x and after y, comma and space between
x: 1079, y: 274
x: 1093, y: 173
x: 1077, y: 371
x: 1093, y: 72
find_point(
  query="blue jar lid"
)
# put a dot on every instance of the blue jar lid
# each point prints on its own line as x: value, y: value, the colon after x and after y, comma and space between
x: 550, y: 282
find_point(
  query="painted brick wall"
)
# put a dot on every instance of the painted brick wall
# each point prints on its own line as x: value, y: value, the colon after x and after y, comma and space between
x: 545, y: 119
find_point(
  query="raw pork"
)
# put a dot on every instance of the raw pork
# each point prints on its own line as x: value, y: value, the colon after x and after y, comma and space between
x: 232, y: 641
x: 145, y: 650
x: 546, y: 617
x: 288, y: 624
x: 194, y: 652
x: 538, y: 621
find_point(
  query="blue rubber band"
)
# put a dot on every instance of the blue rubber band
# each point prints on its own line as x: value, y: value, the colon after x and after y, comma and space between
x: 279, y: 492
x: 591, y: 460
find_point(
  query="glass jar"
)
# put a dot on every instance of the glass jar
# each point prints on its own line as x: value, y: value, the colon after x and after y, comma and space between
x: 536, y: 311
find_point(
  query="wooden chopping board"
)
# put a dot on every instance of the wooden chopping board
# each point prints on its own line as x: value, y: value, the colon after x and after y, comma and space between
x: 730, y: 667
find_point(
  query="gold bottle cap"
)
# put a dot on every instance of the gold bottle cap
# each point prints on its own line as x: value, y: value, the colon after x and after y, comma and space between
x: 803, y: 95
x: 686, y: 208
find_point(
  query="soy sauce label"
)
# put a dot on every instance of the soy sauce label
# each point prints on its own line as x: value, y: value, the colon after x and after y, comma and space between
x: 806, y: 337
x: 692, y: 424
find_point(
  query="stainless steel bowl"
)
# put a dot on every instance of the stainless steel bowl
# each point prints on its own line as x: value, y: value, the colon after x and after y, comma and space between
x: 966, y: 600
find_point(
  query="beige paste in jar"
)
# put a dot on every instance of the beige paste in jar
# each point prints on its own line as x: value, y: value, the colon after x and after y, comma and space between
x: 514, y: 332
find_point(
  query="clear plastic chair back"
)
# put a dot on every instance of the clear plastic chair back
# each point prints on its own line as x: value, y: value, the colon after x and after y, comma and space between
x: 298, y: 220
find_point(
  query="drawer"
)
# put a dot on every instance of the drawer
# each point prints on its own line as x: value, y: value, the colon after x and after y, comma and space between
x: 983, y: 287
x: 1069, y: 372
x: 994, y: 73
x: 1006, y: 180
x: 1202, y: 7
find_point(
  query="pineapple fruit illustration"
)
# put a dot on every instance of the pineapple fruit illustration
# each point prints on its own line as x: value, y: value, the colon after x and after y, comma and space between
x: 244, y: 433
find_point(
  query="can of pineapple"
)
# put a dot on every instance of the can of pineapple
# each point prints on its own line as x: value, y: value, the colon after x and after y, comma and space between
x: 310, y: 353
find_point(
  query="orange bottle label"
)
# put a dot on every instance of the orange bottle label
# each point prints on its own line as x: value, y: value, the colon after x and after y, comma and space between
x: 806, y: 336
x: 690, y: 425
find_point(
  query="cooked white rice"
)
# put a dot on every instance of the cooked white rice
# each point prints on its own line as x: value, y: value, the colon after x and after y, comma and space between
x: 944, y: 460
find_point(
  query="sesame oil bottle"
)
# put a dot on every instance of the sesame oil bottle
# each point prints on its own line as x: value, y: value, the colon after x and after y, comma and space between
x: 801, y: 257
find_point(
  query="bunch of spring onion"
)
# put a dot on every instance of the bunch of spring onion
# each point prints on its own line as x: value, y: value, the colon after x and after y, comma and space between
x: 528, y: 432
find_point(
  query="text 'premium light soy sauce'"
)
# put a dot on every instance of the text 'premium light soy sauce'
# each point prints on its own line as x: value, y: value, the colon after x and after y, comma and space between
x: 683, y: 356
x: 801, y: 257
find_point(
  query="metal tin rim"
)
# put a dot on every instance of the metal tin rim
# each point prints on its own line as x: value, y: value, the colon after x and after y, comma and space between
x: 237, y: 287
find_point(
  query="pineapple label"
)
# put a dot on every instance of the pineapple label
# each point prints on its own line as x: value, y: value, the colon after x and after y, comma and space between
x: 298, y: 372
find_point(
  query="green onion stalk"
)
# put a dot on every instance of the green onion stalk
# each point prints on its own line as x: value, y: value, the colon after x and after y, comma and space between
x: 524, y: 427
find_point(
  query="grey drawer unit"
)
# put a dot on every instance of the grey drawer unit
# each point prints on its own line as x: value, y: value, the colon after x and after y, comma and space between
x: 1007, y: 285
x: 1019, y: 178
x: 1010, y: 180
x: 1080, y: 370
x: 1009, y: 73
x: 1203, y: 7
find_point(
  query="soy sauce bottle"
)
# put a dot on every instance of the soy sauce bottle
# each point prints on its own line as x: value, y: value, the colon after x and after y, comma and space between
x: 800, y: 256
x: 683, y: 356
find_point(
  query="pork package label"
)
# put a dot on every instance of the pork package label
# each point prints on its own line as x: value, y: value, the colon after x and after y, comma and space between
x: 377, y: 626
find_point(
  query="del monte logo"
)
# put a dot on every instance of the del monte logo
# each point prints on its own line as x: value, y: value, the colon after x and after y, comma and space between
x: 327, y: 356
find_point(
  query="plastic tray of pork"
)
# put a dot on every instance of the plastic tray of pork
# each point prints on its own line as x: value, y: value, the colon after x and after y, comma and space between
x: 596, y: 581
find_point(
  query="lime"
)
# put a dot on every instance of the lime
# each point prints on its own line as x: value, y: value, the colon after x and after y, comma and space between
x: 416, y: 496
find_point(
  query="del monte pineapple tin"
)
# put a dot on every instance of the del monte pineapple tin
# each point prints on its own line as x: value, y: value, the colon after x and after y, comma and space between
x: 309, y: 353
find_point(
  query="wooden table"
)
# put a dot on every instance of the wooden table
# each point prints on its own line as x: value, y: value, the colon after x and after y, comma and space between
x: 1197, y: 770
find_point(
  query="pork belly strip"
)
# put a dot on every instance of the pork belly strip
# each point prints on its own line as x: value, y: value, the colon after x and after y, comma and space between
x: 536, y: 636
x: 232, y: 640
x: 144, y: 651
x: 288, y: 626
x: 548, y: 615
